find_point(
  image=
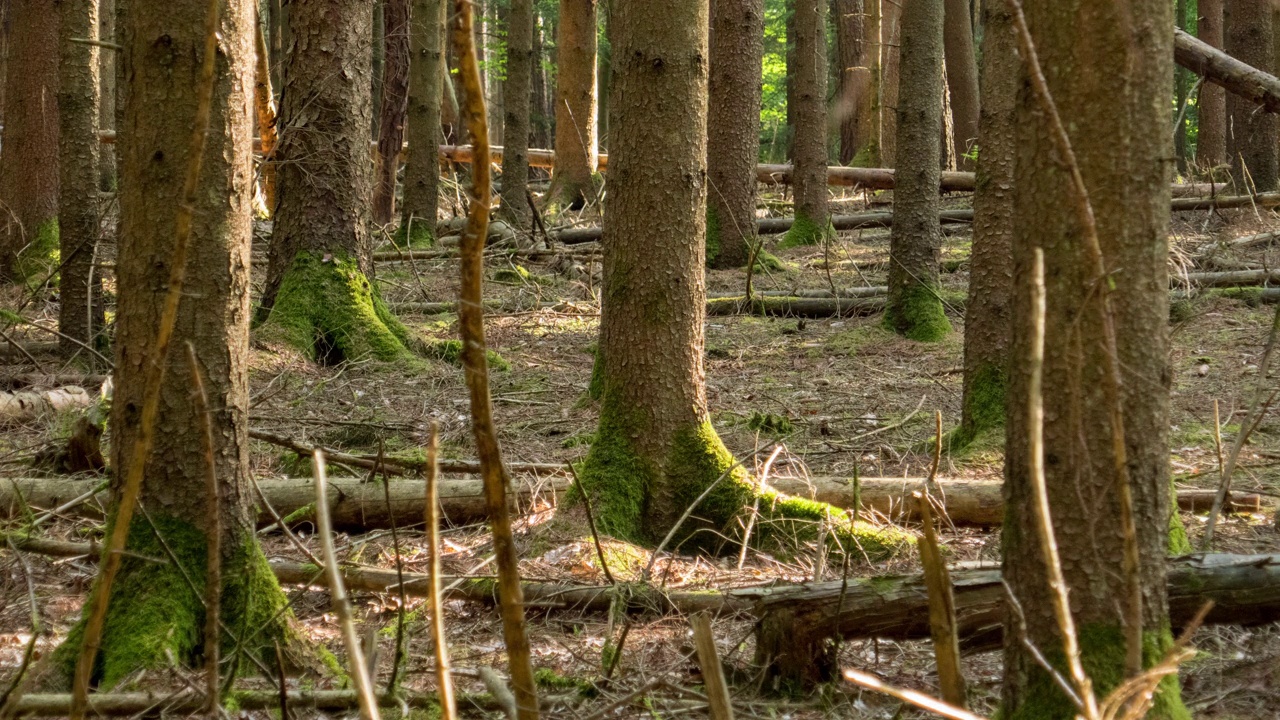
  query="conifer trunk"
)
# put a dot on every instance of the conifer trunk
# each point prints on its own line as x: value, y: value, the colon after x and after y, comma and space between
x: 516, y: 100
x: 962, y: 78
x: 107, y: 61
x: 809, y: 149
x: 539, y: 117
x: 426, y: 88
x: 576, y: 143
x: 914, y: 308
x: 1125, y: 167
x: 890, y: 62
x: 394, y: 107
x: 733, y: 129
x: 1251, y: 137
x: 852, y: 98
x: 1211, y: 138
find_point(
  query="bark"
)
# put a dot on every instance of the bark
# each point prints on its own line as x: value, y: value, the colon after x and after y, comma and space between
x: 426, y: 85
x: 264, y: 103
x: 1252, y: 142
x: 540, y: 115
x: 890, y: 62
x: 80, y: 307
x: 318, y: 297
x: 852, y: 98
x: 733, y: 129
x: 988, y: 312
x: 915, y: 310
x: 1125, y: 168
x: 4, y: 53
x: 29, y: 155
x: 107, y: 92
x: 154, y: 618
x: 394, y: 107
x: 516, y: 92
x: 576, y: 141
x: 1211, y: 138
x: 809, y: 146
x: 1241, y: 80
x: 962, y: 79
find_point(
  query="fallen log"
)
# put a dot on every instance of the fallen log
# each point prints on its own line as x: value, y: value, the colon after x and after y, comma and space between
x: 1219, y: 68
x: 26, y: 380
x: 22, y: 349
x: 1230, y: 278
x: 22, y: 405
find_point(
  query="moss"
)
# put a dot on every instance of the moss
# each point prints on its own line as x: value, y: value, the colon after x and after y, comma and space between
x: 713, y: 236
x: 549, y: 679
x: 1179, y: 544
x: 768, y: 262
x: 595, y: 389
x: 40, y: 257
x: 616, y: 479
x: 330, y: 310
x: 770, y: 424
x: 415, y: 233
x: 1102, y: 653
x: 916, y: 313
x: 983, y: 407
x: 515, y: 273
x: 1251, y: 296
x: 806, y: 231
x: 450, y: 351
x: 578, y: 440
x: 1181, y: 310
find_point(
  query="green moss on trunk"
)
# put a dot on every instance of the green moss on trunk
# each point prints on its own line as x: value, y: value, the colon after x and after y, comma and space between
x: 713, y: 236
x: 916, y: 313
x: 983, y: 406
x: 329, y: 310
x: 40, y: 257
x: 806, y: 231
x: 415, y: 233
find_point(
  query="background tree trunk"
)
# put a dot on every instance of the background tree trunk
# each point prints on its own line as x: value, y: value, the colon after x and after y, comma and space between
x: 809, y: 148
x: 107, y: 93
x: 1211, y: 138
x: 29, y: 154
x: 987, y: 313
x: 1125, y: 167
x: 733, y: 129
x: 4, y: 53
x: 1251, y: 136
x: 80, y: 314
x: 962, y: 78
x: 318, y: 294
x: 394, y: 107
x: 851, y: 75
x: 890, y: 42
x: 516, y: 93
x: 914, y: 309
x: 539, y: 115
x: 576, y: 142
x: 426, y: 86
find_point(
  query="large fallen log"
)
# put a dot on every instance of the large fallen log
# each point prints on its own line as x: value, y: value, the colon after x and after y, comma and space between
x: 1231, y: 278
x: 22, y: 349
x: 22, y: 405
x: 1219, y: 68
x: 187, y: 702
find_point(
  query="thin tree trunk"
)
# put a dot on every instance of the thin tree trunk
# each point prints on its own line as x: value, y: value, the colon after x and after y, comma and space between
x: 851, y: 75
x: 1251, y: 137
x: 80, y: 314
x: 577, y: 146
x: 516, y: 93
x: 539, y: 118
x: 915, y: 309
x: 4, y: 53
x: 1211, y: 138
x: 426, y: 86
x: 962, y: 79
x: 107, y: 61
x: 988, y: 311
x: 29, y: 155
x: 1109, y: 126
x: 394, y: 107
x: 890, y: 42
x: 810, y: 139
x: 733, y: 129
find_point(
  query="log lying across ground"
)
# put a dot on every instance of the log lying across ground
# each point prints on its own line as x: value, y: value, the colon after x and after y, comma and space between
x: 22, y: 405
x: 356, y: 504
x: 1237, y: 77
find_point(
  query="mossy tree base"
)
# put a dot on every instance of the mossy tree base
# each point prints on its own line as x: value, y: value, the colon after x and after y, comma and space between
x: 916, y: 313
x: 328, y: 309
x: 805, y: 230
x: 415, y: 234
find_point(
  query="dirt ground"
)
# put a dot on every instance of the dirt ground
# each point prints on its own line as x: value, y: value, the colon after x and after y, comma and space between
x: 850, y: 396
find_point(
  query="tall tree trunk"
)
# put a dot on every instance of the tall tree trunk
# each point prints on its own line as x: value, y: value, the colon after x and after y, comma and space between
x: 962, y: 79
x: 107, y: 60
x: 890, y: 42
x: 80, y: 314
x: 604, y: 71
x: 378, y: 55
x: 29, y: 155
x: 494, y: 57
x: 869, y: 148
x: 1125, y: 167
x: 576, y: 143
x: 789, y: 50
x: 539, y: 118
x: 987, y: 313
x: 1211, y: 137
x: 4, y: 53
x: 426, y: 86
x: 851, y: 106
x: 733, y: 129
x: 1251, y: 137
x: 516, y: 93
x: 395, y: 105
x: 914, y: 308
x: 809, y: 154
x: 154, y: 616
x: 318, y: 295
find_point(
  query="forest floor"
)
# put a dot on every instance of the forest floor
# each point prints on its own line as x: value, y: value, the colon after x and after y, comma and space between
x: 849, y: 396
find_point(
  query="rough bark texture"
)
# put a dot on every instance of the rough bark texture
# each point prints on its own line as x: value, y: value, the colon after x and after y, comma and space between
x: 516, y: 93
x: 962, y: 79
x: 426, y: 87
x: 851, y: 75
x: 1211, y: 138
x: 80, y: 314
x: 987, y: 314
x: 29, y: 154
x: 809, y: 147
x: 540, y: 114
x: 1251, y: 134
x: 1126, y: 169
x: 154, y: 616
x: 915, y: 309
x: 318, y: 294
x: 107, y: 92
x: 890, y: 43
x: 4, y: 53
x: 576, y: 142
x: 733, y: 129
x: 394, y: 106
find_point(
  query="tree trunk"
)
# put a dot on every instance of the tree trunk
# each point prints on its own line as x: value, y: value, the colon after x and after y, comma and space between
x: 1211, y: 137
x: 576, y: 142
x: 393, y: 108
x: 1251, y: 139
x: 1125, y: 167
x: 809, y: 147
x: 1241, y: 80
x: 29, y: 155
x: 266, y: 111
x: 851, y: 76
x: 318, y: 296
x: 890, y: 62
x: 515, y: 128
x: 962, y: 79
x: 733, y: 130
x: 988, y: 312
x: 4, y: 53
x: 80, y: 314
x: 154, y: 617
x: 426, y: 87
x: 915, y: 308
x: 107, y: 92
x: 539, y: 117
x: 604, y: 72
